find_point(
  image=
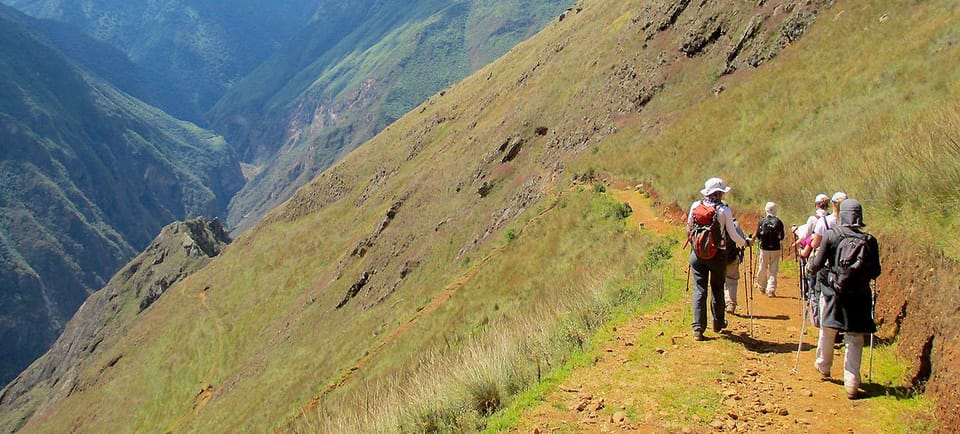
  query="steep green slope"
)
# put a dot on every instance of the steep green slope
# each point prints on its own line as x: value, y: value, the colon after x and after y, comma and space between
x: 189, y: 51
x: 180, y: 249
x: 463, y: 225
x: 87, y: 176
x: 355, y: 69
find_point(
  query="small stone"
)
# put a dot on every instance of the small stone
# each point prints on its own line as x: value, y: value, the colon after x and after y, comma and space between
x: 618, y: 417
x: 782, y: 411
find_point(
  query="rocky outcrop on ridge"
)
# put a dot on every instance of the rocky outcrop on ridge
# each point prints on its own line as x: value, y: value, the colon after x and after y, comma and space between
x: 179, y: 250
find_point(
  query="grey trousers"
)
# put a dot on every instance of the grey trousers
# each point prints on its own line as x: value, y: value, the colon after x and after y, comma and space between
x: 707, y: 276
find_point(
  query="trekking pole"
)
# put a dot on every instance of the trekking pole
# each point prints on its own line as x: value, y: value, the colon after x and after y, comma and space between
x: 803, y: 331
x: 874, y: 291
x: 752, y: 284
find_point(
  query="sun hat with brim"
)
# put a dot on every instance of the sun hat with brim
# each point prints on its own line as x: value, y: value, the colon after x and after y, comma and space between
x: 851, y: 213
x: 820, y: 198
x: 838, y: 197
x: 714, y: 185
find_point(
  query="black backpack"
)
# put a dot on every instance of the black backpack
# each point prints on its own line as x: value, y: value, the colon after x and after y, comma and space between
x: 851, y: 269
x: 767, y: 232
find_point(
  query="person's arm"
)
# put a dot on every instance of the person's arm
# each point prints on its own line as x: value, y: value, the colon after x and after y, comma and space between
x: 726, y: 219
x: 690, y: 218
x: 780, y: 232
x: 874, y: 265
x: 818, y: 260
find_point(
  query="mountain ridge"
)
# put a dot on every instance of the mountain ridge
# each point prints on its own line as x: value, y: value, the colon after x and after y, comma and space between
x: 407, y: 223
x: 89, y: 175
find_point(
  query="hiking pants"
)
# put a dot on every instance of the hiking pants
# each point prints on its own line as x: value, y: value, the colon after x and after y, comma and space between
x: 852, y: 356
x: 706, y: 273
x: 767, y: 271
x: 731, y: 278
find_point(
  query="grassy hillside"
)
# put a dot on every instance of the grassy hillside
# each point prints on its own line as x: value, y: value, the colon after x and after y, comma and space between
x: 479, y: 216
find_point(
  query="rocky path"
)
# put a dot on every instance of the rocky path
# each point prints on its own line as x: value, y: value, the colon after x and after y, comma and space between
x: 651, y: 376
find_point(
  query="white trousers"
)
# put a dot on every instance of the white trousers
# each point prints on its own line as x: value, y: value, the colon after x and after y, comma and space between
x: 767, y: 271
x: 852, y: 356
x: 730, y: 282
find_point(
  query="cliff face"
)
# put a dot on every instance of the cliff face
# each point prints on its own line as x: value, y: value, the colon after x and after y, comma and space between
x: 179, y: 250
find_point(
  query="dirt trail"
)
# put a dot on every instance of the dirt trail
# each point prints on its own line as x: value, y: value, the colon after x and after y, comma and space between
x: 653, y: 377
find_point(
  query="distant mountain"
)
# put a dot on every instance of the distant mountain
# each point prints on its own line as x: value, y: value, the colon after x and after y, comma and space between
x: 354, y: 69
x: 469, y: 252
x: 189, y: 51
x: 180, y: 249
x: 88, y: 175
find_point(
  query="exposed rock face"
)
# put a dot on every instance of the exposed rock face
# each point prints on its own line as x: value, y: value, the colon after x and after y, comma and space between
x: 179, y: 250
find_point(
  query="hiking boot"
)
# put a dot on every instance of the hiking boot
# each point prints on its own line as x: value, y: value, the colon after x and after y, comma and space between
x: 731, y: 307
x: 698, y: 336
x: 856, y: 394
x: 717, y: 326
x: 824, y: 376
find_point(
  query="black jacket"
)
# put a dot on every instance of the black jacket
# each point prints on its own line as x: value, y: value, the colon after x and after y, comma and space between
x: 770, y: 241
x: 847, y: 309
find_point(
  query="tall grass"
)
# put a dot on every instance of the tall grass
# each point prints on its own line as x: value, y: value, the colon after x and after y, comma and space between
x: 444, y: 392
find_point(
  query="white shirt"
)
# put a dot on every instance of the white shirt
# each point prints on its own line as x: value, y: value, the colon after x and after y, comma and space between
x: 825, y: 224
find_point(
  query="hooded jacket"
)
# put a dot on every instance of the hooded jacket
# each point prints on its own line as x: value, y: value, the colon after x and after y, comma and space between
x: 850, y: 308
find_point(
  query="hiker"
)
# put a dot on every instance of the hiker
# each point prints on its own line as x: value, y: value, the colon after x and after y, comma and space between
x: 708, y: 262
x: 734, y: 259
x: 852, y: 258
x: 805, y: 235
x: 770, y: 233
x: 828, y: 222
x: 821, y: 202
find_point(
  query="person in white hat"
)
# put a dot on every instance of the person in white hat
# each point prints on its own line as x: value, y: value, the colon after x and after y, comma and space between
x: 770, y: 233
x: 710, y: 272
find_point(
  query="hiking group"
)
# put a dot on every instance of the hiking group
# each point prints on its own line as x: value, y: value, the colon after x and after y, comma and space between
x: 837, y: 261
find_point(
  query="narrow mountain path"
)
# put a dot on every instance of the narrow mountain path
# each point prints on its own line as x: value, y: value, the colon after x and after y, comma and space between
x: 205, y: 394
x: 651, y: 376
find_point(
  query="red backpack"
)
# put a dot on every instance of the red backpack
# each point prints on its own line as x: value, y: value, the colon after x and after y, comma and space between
x: 705, y: 235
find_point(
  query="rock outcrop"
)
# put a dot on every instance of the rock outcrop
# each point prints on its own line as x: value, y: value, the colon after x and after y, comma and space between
x: 179, y: 250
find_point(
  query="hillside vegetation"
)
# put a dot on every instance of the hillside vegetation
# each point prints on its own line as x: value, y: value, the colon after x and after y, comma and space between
x: 88, y: 175
x: 352, y: 71
x: 188, y: 52
x: 474, y: 236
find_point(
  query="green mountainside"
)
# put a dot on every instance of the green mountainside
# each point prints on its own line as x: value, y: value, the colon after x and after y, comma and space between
x: 353, y: 70
x: 440, y: 268
x: 89, y: 175
x: 179, y: 250
x: 189, y: 52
